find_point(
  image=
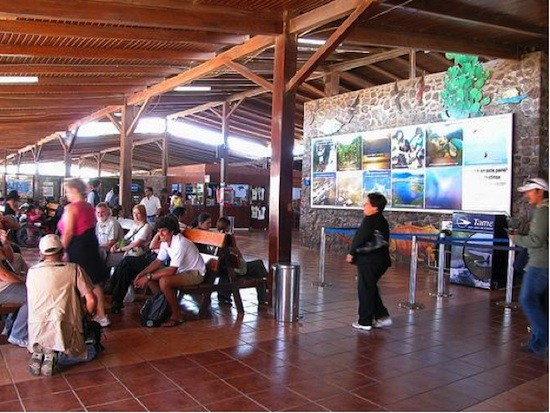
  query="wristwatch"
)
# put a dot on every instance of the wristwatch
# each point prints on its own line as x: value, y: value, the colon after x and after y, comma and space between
x: 149, y: 277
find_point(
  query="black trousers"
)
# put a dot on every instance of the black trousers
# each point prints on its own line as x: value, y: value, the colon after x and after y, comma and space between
x: 370, y: 303
x: 254, y: 269
x: 126, y: 272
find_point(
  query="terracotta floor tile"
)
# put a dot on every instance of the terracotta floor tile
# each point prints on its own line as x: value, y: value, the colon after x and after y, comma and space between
x: 130, y: 405
x: 250, y: 383
x: 237, y: 404
x: 315, y: 389
x: 210, y: 357
x: 90, y: 378
x: 63, y: 401
x: 7, y: 393
x: 347, y: 402
x: 11, y: 406
x: 191, y: 375
x: 45, y: 385
x: 425, y: 361
x: 229, y: 369
x: 211, y: 391
x: 173, y: 363
x: 175, y: 400
x: 308, y: 407
x: 132, y: 371
x: 278, y: 398
x: 102, y: 394
x: 152, y: 383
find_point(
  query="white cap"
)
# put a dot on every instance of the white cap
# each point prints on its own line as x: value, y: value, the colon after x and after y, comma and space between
x: 534, y: 183
x: 50, y: 244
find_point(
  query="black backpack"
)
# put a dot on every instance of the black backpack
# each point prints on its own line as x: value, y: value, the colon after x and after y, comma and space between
x: 92, y: 334
x: 155, y: 311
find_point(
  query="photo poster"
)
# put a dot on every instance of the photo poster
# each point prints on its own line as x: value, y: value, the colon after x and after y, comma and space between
x: 20, y: 183
x: 459, y: 165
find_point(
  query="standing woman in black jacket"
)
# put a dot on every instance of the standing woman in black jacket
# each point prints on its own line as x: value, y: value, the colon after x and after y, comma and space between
x: 371, y: 265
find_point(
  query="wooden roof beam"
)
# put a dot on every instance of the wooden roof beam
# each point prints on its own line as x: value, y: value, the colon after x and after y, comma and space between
x: 243, y: 70
x: 11, y: 102
x: 100, y: 114
x: 471, y: 14
x: 384, y: 73
x: 254, y: 45
x: 383, y: 36
x: 330, y: 45
x: 188, y: 16
x: 58, y: 29
x: 68, y: 89
x: 103, y: 53
x: 368, y: 60
x: 134, y: 70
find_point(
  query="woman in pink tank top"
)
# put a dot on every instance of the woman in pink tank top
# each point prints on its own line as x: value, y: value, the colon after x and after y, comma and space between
x: 77, y: 228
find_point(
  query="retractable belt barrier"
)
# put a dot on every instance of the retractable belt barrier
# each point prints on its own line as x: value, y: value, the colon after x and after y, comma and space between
x: 438, y: 238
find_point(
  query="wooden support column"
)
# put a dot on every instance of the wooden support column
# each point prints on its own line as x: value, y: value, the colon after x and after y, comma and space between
x: 332, y: 84
x: 99, y: 160
x: 223, y: 156
x: 5, y: 161
x: 126, y: 148
x: 164, y: 166
x: 36, y: 152
x: 412, y: 64
x: 282, y: 145
x: 19, y: 163
x: 67, y: 143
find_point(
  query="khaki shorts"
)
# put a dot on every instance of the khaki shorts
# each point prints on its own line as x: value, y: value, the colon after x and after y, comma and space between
x: 185, y: 278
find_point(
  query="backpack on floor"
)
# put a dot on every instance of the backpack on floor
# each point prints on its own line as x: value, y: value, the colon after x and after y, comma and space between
x: 92, y: 334
x: 155, y: 311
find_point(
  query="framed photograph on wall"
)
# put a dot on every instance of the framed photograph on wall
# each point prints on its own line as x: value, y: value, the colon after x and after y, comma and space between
x: 457, y: 165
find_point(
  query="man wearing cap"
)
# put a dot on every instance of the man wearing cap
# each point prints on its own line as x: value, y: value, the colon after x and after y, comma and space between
x: 55, y: 321
x: 534, y: 287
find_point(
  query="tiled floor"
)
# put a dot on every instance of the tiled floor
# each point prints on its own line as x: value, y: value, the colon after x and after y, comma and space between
x: 458, y: 353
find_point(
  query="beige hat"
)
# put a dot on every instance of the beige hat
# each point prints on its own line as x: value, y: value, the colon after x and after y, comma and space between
x: 50, y: 244
x: 534, y: 183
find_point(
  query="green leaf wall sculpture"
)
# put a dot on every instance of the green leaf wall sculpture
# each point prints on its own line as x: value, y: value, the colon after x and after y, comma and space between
x: 463, y: 96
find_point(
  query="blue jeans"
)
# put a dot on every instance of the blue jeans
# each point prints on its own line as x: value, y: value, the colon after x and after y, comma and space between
x: 64, y: 359
x: 532, y: 296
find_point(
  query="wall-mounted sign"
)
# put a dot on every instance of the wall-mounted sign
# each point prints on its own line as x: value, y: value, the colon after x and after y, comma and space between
x: 437, y: 167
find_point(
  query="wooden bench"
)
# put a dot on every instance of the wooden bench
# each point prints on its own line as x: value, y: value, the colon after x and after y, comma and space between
x: 219, y: 261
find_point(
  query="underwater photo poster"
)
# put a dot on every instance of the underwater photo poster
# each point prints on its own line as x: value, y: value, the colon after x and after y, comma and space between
x: 455, y: 165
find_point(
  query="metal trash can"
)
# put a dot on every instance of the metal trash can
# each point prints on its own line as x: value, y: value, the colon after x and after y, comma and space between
x: 286, y: 292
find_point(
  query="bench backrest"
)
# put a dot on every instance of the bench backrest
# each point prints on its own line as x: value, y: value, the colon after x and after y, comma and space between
x: 218, y: 256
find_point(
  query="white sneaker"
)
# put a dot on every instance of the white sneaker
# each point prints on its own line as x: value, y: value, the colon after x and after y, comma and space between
x: 17, y: 342
x: 103, y: 322
x: 382, y: 322
x: 361, y: 327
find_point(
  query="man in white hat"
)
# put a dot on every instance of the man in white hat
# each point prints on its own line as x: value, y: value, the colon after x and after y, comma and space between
x: 55, y: 321
x: 534, y: 287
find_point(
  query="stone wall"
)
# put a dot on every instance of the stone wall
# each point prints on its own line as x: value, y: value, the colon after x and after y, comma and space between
x: 417, y: 101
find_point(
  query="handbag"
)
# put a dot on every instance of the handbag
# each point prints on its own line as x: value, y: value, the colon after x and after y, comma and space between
x: 135, y: 252
x: 378, y: 241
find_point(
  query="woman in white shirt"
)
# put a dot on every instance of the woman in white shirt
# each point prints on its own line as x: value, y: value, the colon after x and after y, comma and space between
x: 139, y: 235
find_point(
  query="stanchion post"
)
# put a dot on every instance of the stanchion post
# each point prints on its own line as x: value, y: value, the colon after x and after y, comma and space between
x: 321, y: 282
x: 507, y: 303
x: 412, y: 304
x: 441, y: 269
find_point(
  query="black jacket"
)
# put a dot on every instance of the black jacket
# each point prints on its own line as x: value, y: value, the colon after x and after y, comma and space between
x: 365, y: 234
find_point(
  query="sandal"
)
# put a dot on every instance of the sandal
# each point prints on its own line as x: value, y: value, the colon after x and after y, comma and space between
x: 172, y: 323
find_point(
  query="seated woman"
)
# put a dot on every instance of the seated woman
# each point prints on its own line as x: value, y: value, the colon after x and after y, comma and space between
x: 13, y: 291
x: 55, y: 321
x: 138, y: 237
x: 253, y: 269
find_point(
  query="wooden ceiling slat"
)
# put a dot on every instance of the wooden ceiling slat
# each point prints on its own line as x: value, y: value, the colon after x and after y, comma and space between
x: 104, y: 53
x: 42, y: 28
x: 190, y: 16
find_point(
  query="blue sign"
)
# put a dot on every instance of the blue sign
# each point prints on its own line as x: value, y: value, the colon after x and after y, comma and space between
x: 473, y: 222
